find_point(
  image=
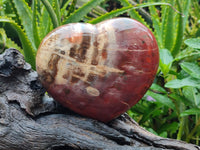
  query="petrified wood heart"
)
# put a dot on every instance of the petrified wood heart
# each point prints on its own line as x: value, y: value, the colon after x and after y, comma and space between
x: 101, y: 70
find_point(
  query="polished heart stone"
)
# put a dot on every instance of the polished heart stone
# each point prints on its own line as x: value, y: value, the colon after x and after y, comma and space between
x: 99, y: 71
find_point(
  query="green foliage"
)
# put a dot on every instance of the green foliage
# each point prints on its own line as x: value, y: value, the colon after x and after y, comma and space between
x: 110, y: 15
x: 188, y: 54
x: 29, y: 53
x: 6, y: 42
x: 162, y: 99
x: 36, y: 20
x: 36, y: 37
x: 82, y: 11
x: 133, y: 13
x: 193, y: 111
x: 193, y: 43
x: 166, y: 60
x: 192, y: 69
x: 171, y: 107
x: 25, y: 13
x: 118, y: 12
x: 51, y: 13
x: 174, y: 98
x: 179, y: 83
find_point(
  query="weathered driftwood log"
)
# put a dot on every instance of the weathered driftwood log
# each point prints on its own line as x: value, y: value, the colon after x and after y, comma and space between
x: 29, y: 119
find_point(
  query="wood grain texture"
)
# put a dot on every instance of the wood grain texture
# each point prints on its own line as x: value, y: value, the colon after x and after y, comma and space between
x: 30, y: 120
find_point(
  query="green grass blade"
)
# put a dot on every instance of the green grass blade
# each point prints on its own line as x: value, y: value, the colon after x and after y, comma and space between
x: 196, y: 8
x: 35, y: 25
x: 63, y: 9
x: 133, y: 13
x: 6, y: 42
x: 187, y: 4
x: 168, y: 27
x: 110, y: 15
x: 3, y: 39
x: 163, y: 17
x: 29, y: 52
x: 192, y: 111
x: 51, y: 13
x: 156, y: 25
x: 45, y: 24
x: 12, y: 44
x: 82, y: 11
x: 117, y: 12
x: 180, y: 30
x: 57, y: 11
x: 14, y: 12
x: 25, y: 14
x: 144, y: 13
x: 72, y: 7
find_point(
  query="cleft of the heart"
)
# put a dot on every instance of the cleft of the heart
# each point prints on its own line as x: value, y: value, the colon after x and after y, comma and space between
x: 99, y: 71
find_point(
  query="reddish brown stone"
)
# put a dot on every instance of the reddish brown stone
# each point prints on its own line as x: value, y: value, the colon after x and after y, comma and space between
x: 117, y: 61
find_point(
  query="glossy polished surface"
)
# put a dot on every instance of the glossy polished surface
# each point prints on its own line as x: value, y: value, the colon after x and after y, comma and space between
x: 101, y: 70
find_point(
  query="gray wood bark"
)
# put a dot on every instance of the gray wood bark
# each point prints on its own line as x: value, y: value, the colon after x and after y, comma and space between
x: 29, y: 119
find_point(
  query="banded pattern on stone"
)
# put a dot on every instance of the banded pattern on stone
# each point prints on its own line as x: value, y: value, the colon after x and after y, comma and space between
x: 87, y: 66
x: 81, y: 57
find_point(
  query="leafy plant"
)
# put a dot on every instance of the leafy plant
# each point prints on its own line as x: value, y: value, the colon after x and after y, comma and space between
x: 172, y: 103
x: 37, y: 17
x: 187, y: 82
x: 34, y: 22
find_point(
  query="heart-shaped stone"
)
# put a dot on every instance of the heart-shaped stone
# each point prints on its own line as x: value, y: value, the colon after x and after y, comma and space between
x: 101, y: 70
